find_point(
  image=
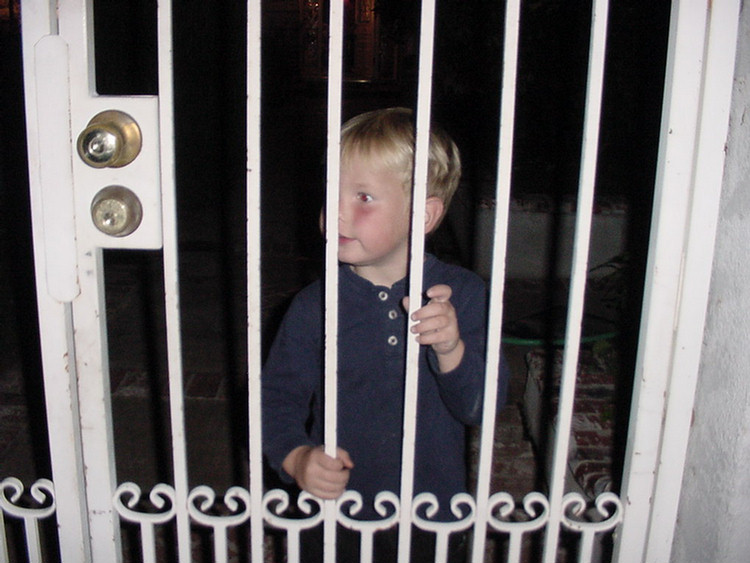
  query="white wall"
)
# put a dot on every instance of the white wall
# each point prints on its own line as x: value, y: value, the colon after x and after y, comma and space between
x: 714, y: 516
x: 534, y: 233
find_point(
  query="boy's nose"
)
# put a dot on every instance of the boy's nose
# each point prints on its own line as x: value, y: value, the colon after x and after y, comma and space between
x: 343, y: 214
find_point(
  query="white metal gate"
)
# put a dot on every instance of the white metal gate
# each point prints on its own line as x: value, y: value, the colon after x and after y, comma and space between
x: 128, y: 202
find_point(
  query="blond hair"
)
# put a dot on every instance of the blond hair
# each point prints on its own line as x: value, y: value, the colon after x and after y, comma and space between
x: 387, y: 137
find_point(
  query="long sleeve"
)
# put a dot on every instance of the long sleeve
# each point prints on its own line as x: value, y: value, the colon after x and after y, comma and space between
x: 372, y: 339
x: 291, y: 378
x: 462, y: 389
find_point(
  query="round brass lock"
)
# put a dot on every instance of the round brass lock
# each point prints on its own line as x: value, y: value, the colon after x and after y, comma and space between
x: 116, y: 211
x: 112, y: 139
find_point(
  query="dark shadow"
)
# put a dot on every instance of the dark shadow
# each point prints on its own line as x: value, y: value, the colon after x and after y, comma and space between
x: 20, y: 325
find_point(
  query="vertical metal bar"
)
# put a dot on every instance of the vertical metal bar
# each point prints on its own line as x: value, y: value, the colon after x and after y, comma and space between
x: 55, y: 323
x: 92, y: 367
x: 421, y: 154
x: 89, y: 312
x: 333, y: 157
x: 85, y: 325
x: 171, y: 277
x: 3, y: 540
x: 697, y: 96
x: 706, y: 187
x: 674, y: 167
x: 578, y: 275
x: 494, y: 332
x: 254, y: 277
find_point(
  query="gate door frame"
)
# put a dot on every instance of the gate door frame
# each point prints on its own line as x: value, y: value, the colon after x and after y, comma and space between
x: 61, y: 102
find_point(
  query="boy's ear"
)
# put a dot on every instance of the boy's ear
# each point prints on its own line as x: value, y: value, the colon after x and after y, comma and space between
x: 434, y: 209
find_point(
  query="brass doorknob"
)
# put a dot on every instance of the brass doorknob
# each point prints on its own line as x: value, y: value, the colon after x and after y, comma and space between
x: 116, y: 211
x: 111, y: 139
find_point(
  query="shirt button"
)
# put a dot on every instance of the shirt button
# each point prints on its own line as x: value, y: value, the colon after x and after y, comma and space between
x: 393, y: 314
x: 392, y: 340
x: 383, y: 295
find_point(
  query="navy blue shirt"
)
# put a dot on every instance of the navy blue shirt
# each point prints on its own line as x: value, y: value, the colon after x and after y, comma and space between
x: 371, y: 382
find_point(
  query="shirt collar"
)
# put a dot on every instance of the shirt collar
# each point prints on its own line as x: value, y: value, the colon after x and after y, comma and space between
x: 362, y: 285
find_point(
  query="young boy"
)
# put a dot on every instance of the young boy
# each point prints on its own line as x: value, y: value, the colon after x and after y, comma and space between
x: 377, y: 151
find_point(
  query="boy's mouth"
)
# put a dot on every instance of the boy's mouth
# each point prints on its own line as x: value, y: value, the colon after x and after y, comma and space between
x: 344, y: 240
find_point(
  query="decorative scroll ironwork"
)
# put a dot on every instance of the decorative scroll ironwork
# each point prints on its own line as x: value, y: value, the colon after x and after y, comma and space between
x: 505, y: 516
x: 276, y: 502
x: 443, y: 530
x: 608, y: 515
x: 43, y: 492
x: 351, y: 503
x: 502, y: 507
x: 147, y: 520
x: 236, y: 499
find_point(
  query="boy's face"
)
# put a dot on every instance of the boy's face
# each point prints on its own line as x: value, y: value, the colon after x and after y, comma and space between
x: 374, y: 221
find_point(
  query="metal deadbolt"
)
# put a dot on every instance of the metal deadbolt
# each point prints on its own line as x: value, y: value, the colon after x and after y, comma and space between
x: 116, y: 211
x: 112, y: 139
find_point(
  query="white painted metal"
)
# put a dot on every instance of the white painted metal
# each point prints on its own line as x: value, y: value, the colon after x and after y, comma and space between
x: 609, y: 509
x: 500, y: 237
x: 255, y: 462
x: 88, y: 310
x: 387, y: 505
x: 419, y: 194
x: 79, y: 416
x: 335, y: 76
x: 219, y: 523
x: 55, y: 320
x: 143, y: 174
x: 148, y: 521
x: 682, y: 91
x: 56, y: 174
x: 171, y: 280
x: 293, y: 527
x: 90, y: 504
x: 94, y: 407
x: 682, y: 98
x: 584, y: 210
x: 43, y: 493
x: 502, y: 505
x: 699, y: 83
x: 713, y: 123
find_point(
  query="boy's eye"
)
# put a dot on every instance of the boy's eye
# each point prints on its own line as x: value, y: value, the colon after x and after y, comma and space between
x: 364, y: 198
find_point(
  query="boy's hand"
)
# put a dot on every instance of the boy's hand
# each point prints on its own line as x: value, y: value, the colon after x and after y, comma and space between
x: 437, y: 326
x: 318, y: 473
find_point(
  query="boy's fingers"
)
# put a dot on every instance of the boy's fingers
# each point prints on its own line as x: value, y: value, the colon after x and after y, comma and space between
x: 440, y: 292
x: 335, y: 464
x: 343, y: 455
x: 327, y: 489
